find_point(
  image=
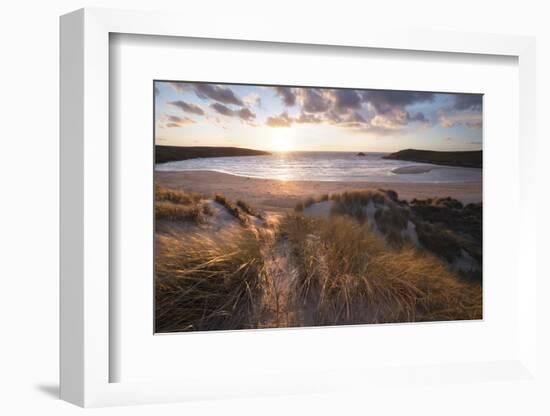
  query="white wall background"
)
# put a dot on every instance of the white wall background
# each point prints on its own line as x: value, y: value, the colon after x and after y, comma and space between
x: 29, y: 57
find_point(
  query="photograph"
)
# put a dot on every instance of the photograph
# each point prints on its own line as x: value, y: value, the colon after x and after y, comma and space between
x: 284, y: 206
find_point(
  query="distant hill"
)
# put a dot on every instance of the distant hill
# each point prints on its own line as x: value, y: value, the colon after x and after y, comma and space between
x: 174, y: 153
x: 471, y: 159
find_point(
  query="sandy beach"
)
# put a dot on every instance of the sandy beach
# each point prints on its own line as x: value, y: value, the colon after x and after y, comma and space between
x: 279, y: 196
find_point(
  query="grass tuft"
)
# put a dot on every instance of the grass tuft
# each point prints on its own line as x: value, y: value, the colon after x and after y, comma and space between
x: 176, y: 197
x: 247, y: 208
x: 207, y: 282
x: 233, y: 209
x: 347, y: 275
x: 179, y: 213
x: 179, y: 206
x: 391, y: 222
x: 310, y: 201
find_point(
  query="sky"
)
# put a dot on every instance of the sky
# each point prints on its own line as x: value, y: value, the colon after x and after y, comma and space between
x: 284, y: 118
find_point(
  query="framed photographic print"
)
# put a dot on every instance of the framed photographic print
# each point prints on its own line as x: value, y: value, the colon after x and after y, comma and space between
x: 279, y: 214
x: 270, y: 212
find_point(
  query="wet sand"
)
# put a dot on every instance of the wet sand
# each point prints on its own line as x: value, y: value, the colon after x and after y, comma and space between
x: 413, y: 169
x: 279, y: 196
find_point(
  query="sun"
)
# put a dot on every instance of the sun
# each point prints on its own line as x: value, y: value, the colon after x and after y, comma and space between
x: 281, y: 140
x: 281, y: 145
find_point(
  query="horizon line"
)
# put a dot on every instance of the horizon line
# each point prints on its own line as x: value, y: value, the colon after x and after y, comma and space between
x: 328, y: 151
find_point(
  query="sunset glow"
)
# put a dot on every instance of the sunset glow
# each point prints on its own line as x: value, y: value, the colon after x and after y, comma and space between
x: 281, y: 140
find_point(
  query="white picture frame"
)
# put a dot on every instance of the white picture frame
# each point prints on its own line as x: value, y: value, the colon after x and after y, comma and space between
x: 85, y: 217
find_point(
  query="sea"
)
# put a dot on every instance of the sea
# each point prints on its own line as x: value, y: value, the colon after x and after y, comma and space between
x: 324, y: 166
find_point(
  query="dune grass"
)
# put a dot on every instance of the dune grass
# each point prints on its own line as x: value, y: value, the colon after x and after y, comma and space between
x: 390, y: 215
x: 208, y: 282
x: 232, y: 208
x: 348, y: 275
x: 176, y: 197
x: 447, y: 227
x: 347, y: 202
x: 179, y: 213
x: 444, y: 226
x: 391, y: 222
x: 179, y: 206
x: 359, y: 196
x: 248, y: 209
x: 341, y: 269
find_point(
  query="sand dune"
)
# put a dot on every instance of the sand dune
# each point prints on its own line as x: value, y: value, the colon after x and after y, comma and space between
x: 280, y: 196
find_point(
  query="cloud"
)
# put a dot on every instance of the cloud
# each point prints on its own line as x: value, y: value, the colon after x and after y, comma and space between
x: 313, y: 100
x: 370, y: 128
x: 345, y: 100
x: 179, y: 86
x: 466, y: 110
x: 222, y: 109
x: 304, y: 118
x: 282, y: 120
x: 388, y: 101
x: 447, y: 122
x: 416, y: 117
x: 372, y: 111
x: 175, y: 121
x: 214, y: 92
x: 244, y: 113
x: 187, y: 107
x: 474, y: 124
x: 468, y: 102
x: 398, y: 118
x: 287, y: 94
x: 345, y: 108
x: 252, y: 100
x: 393, y: 121
x: 472, y: 120
x: 218, y: 93
x: 375, y: 112
x: 355, y: 117
x: 334, y: 117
